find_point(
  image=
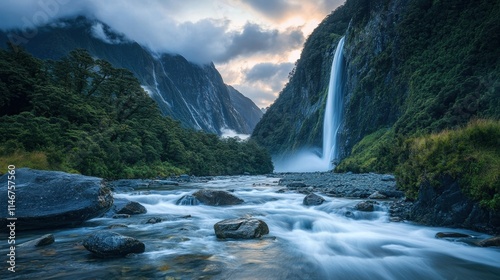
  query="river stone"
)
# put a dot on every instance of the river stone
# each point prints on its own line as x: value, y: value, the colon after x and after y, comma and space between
x: 52, y: 199
x: 132, y: 208
x: 295, y: 185
x: 452, y: 235
x: 46, y: 239
x: 313, y: 199
x: 111, y: 244
x: 217, y: 198
x: 366, y: 206
x: 242, y: 228
x: 377, y: 195
x: 493, y: 241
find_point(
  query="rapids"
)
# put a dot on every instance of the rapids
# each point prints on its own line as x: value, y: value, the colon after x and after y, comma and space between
x: 329, y: 241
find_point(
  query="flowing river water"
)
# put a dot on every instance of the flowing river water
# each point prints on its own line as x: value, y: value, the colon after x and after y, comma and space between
x: 328, y: 241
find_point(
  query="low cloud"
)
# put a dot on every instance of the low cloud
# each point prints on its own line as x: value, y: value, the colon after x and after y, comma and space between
x: 269, y: 73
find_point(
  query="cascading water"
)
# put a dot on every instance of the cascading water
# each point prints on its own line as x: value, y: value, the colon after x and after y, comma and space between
x: 333, y: 110
x: 307, y: 161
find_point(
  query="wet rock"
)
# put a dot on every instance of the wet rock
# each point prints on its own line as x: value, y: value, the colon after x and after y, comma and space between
x: 282, y: 190
x: 128, y: 184
x: 41, y: 241
x: 163, y: 183
x: 187, y: 200
x: 51, y: 199
x: 313, y: 199
x: 111, y: 244
x: 121, y: 216
x: 490, y: 242
x: 452, y: 235
x: 242, y: 228
x: 132, y: 208
x: 366, y: 206
x: 377, y: 195
x: 154, y: 220
x: 217, y: 198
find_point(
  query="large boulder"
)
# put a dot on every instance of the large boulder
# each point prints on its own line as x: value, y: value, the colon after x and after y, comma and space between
x: 313, y: 199
x: 50, y: 199
x: 106, y: 244
x: 132, y: 208
x: 242, y: 228
x: 217, y: 198
x: 366, y: 206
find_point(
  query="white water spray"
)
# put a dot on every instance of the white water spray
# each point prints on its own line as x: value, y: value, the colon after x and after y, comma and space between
x: 307, y: 161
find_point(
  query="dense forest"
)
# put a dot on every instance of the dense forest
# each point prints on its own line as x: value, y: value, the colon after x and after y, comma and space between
x: 80, y: 114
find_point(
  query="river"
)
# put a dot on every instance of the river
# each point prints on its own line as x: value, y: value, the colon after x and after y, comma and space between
x: 328, y: 241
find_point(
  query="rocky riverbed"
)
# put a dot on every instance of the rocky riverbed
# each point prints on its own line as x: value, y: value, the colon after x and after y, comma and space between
x: 281, y: 226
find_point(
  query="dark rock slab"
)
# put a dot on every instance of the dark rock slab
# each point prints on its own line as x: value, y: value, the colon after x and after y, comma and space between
x: 313, y: 199
x: 51, y: 199
x: 490, y: 242
x: 44, y: 240
x: 242, y: 228
x: 132, y: 208
x: 452, y: 235
x: 217, y: 198
x: 106, y: 244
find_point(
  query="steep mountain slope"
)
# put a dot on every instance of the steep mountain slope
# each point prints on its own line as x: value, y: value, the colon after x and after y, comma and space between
x: 193, y: 94
x: 412, y: 67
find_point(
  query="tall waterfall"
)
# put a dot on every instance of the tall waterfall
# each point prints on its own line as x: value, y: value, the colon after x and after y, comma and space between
x: 333, y: 111
x: 310, y: 161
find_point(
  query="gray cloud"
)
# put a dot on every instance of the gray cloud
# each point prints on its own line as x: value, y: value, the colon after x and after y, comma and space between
x: 274, y: 8
x: 272, y: 74
x: 254, y: 39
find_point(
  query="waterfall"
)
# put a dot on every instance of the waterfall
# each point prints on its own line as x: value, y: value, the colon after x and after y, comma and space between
x: 333, y: 110
x: 310, y: 161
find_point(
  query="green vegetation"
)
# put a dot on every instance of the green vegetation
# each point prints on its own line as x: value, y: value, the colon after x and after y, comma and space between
x: 82, y: 115
x: 470, y: 155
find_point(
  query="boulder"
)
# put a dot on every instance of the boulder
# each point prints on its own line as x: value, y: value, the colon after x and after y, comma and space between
x: 111, y: 244
x: 313, y: 199
x: 366, y: 206
x: 217, y: 198
x: 242, y: 228
x: 493, y: 241
x: 41, y: 241
x: 377, y: 195
x: 51, y: 199
x: 132, y: 208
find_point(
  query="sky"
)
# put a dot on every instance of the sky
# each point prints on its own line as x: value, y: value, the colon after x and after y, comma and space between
x: 253, y: 43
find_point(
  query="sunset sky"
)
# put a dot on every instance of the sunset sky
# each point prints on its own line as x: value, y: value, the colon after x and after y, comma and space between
x: 253, y: 43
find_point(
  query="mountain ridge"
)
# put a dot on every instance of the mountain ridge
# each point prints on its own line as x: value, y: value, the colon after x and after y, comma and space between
x: 193, y: 94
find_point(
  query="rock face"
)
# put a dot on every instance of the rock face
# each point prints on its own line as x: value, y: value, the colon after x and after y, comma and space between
x: 243, y: 228
x: 448, y: 206
x: 132, y: 208
x: 313, y: 199
x: 51, y: 199
x: 111, y: 244
x: 217, y: 198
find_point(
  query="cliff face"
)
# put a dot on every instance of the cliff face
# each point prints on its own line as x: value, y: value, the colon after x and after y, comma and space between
x: 412, y: 66
x: 193, y: 94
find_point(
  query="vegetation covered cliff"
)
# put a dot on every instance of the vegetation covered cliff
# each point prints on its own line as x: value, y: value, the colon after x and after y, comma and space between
x: 413, y: 69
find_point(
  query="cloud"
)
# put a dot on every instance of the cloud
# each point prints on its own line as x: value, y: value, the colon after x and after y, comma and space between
x: 253, y: 39
x: 271, y: 74
x: 273, y: 9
